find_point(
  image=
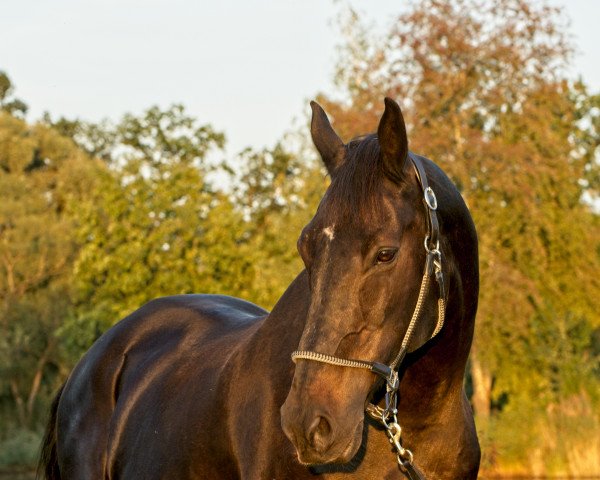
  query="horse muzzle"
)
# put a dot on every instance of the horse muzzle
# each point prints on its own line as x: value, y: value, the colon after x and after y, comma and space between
x: 317, y: 435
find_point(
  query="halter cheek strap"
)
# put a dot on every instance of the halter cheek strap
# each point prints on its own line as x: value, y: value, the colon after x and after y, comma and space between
x: 433, y: 268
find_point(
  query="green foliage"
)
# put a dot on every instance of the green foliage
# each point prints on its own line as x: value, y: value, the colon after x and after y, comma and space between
x: 31, y: 358
x: 20, y: 449
x: 277, y: 194
x: 41, y: 173
x: 153, y: 226
x: 157, y: 138
x: 8, y: 103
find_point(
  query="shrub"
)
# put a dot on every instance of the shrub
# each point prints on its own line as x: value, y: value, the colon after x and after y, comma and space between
x: 21, y: 449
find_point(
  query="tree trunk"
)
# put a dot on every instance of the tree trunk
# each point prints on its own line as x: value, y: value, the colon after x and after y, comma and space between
x: 14, y: 389
x: 482, y: 388
x: 35, y: 388
x: 37, y: 380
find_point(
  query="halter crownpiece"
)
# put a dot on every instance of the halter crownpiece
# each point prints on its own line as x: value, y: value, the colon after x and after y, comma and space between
x: 433, y: 267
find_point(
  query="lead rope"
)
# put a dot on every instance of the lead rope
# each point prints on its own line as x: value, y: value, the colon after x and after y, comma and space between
x: 388, y: 416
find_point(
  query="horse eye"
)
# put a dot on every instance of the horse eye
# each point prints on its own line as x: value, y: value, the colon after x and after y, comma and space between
x: 386, y: 255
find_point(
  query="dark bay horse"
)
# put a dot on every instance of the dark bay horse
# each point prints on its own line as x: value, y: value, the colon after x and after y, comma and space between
x: 204, y: 386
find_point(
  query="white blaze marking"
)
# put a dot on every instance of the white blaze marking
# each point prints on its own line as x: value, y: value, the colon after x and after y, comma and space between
x: 328, y: 231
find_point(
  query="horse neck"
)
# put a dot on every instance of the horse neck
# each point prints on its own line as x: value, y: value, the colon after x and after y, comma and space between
x: 434, y: 374
x: 270, y: 346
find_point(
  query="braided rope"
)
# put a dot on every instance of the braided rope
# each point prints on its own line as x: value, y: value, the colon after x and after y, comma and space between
x: 330, y: 359
x: 441, y: 316
x: 413, y: 321
x: 417, y: 313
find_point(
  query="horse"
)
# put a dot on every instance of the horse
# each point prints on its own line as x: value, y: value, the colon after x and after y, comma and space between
x: 214, y: 387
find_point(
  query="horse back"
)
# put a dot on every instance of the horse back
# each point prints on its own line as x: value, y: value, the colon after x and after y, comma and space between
x: 162, y: 361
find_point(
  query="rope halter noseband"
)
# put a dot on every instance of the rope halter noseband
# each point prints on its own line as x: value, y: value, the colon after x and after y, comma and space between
x: 433, y: 267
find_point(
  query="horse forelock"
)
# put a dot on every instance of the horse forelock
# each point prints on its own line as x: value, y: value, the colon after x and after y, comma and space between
x: 354, y: 189
x: 355, y: 194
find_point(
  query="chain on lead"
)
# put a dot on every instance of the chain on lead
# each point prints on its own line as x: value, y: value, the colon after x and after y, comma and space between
x: 394, y: 431
x: 389, y: 418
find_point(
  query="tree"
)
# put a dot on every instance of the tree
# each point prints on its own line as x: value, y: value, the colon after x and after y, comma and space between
x: 41, y: 174
x: 8, y: 103
x: 155, y: 226
x: 277, y: 191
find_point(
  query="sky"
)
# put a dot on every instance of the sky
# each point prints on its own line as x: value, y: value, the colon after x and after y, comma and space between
x: 248, y: 67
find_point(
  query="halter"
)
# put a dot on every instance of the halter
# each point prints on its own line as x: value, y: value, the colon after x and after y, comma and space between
x: 433, y: 267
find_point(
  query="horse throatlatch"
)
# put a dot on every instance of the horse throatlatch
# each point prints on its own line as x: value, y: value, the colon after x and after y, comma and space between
x: 387, y: 416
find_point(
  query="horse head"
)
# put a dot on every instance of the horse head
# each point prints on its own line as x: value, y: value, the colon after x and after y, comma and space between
x: 364, y: 255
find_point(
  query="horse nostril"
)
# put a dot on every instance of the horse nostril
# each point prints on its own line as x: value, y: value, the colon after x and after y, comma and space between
x: 320, y: 434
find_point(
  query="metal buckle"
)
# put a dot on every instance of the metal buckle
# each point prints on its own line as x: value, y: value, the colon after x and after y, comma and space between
x: 434, y: 248
x: 430, y: 198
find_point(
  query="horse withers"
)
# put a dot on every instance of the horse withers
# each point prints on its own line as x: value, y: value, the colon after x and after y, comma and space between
x: 356, y: 373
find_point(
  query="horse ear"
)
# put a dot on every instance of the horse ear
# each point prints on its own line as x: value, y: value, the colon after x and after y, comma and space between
x: 329, y: 145
x: 392, y: 140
